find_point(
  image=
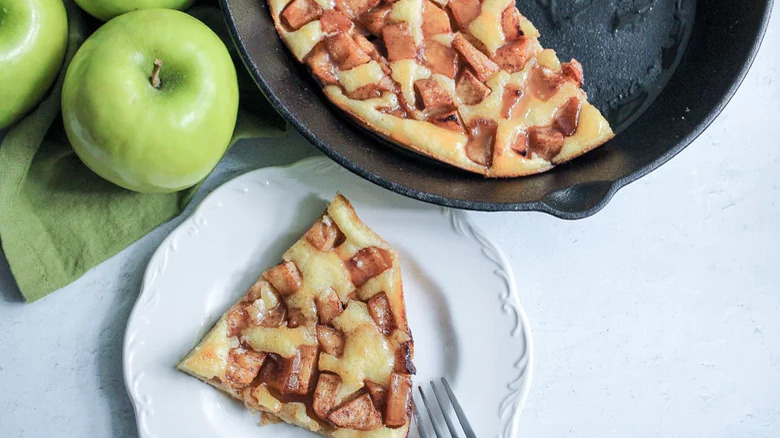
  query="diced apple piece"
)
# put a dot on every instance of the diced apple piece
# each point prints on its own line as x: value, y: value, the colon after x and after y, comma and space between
x: 434, y: 20
x: 513, y: 56
x: 448, y: 120
x: 358, y: 414
x: 378, y: 394
x: 544, y: 83
x: 321, y: 65
x: 353, y: 8
x: 374, y: 20
x: 295, y: 318
x: 333, y: 21
x: 325, y: 394
x: 510, y: 23
x: 403, y: 359
x: 328, y: 306
x: 432, y: 94
x: 379, y: 309
x: 482, y: 65
x: 273, y: 372
x: 345, y: 52
x: 367, y: 263
x: 465, y: 11
x: 243, y: 366
x: 331, y: 340
x: 545, y: 142
x: 301, y: 368
x: 237, y: 320
x: 440, y: 58
x: 520, y: 145
x: 325, y: 234
x: 274, y: 317
x: 510, y: 99
x: 300, y: 12
x: 480, y: 145
x: 398, y: 400
x: 399, y: 42
x: 572, y: 71
x: 470, y: 89
x: 285, y: 277
x: 568, y: 117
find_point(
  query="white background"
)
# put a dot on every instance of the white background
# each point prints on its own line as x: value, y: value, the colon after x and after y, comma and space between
x: 659, y: 316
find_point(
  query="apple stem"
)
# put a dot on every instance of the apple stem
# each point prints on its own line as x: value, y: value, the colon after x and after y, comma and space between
x: 155, y: 79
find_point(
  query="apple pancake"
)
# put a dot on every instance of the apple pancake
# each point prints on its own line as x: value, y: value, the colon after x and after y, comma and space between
x: 462, y: 81
x: 321, y: 340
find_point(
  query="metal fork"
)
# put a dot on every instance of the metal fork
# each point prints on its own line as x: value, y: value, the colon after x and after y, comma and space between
x: 438, y: 428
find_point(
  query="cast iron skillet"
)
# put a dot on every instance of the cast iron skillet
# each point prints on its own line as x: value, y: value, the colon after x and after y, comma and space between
x: 660, y: 70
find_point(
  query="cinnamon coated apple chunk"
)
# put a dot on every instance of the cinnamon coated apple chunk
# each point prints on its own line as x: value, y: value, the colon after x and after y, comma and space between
x: 466, y: 82
x: 321, y: 340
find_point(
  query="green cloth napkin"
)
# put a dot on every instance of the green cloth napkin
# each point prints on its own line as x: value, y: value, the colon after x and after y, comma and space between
x: 57, y: 218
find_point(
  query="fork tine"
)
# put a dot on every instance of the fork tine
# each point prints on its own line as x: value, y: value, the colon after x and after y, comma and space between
x: 436, y: 429
x: 440, y: 401
x: 418, y: 420
x: 458, y: 410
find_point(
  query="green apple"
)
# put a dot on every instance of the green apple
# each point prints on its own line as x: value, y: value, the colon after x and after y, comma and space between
x: 108, y: 9
x: 33, y: 39
x: 150, y: 100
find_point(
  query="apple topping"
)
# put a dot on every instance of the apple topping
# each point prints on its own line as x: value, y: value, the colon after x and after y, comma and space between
x: 510, y: 99
x: 295, y: 318
x: 544, y: 83
x: 331, y: 340
x: 367, y: 263
x: 325, y: 234
x: 358, y: 413
x: 325, y: 394
x: 353, y: 8
x: 399, y: 42
x: 510, y: 23
x: 379, y: 309
x: 568, y: 117
x: 374, y: 20
x: 546, y: 141
x: 398, y: 400
x: 300, y: 12
x: 480, y: 145
x: 285, y: 277
x: 573, y: 71
x: 345, y: 52
x: 237, y: 320
x: 448, y: 120
x: 378, y: 394
x: 482, y: 65
x: 470, y: 89
x: 520, y: 145
x: 321, y: 65
x: 333, y: 21
x: 403, y: 359
x: 465, y: 11
x: 513, y: 56
x: 440, y: 58
x: 290, y: 375
x: 243, y: 366
x: 328, y: 306
x: 434, y: 20
x: 433, y: 94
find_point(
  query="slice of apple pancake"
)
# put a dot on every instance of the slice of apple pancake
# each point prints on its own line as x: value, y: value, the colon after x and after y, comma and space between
x: 321, y: 340
x: 463, y: 81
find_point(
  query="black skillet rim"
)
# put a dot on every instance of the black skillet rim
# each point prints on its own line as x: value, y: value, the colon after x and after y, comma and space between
x: 538, y: 206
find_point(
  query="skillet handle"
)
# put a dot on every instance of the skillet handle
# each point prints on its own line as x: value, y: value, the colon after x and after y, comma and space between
x: 579, y: 201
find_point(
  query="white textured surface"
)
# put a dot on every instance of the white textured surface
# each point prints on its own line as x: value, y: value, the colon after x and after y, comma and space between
x: 656, y: 317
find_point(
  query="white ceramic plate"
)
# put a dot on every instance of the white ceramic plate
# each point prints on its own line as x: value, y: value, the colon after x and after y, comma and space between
x: 463, y: 311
